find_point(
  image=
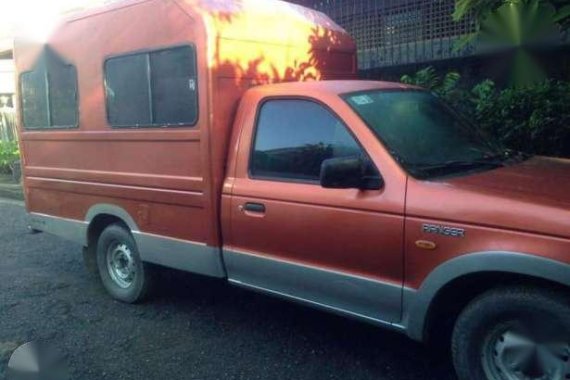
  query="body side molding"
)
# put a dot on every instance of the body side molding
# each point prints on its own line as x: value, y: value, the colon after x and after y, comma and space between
x: 417, y: 302
x: 68, y: 229
x: 351, y: 295
x: 174, y: 253
x: 180, y: 254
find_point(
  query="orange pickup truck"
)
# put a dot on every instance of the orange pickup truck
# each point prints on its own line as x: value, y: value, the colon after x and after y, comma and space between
x: 155, y: 133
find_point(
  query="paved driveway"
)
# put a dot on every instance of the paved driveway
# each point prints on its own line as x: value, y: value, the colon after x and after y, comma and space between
x: 194, y: 328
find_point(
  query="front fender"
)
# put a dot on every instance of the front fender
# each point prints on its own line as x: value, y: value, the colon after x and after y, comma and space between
x: 417, y: 302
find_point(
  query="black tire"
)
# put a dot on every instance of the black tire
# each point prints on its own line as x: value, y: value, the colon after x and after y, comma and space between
x: 138, y: 287
x: 540, y: 313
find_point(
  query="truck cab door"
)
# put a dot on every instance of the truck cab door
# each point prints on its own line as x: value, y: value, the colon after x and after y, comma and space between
x: 338, y: 249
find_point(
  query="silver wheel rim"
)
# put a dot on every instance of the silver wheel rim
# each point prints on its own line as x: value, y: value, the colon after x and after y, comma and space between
x: 121, y: 264
x: 512, y: 355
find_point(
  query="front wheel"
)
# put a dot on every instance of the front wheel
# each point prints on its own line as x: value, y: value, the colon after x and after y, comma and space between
x: 123, y: 274
x: 514, y: 333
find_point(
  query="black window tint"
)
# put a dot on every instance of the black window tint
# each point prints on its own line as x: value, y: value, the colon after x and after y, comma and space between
x: 174, y: 86
x: 422, y: 131
x: 34, y: 98
x: 294, y: 137
x: 49, y: 93
x: 62, y: 94
x: 153, y: 88
x: 128, y: 93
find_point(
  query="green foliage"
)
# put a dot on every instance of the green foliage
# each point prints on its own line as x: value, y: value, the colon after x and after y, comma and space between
x: 9, y: 152
x: 481, y: 9
x: 478, y: 8
x: 534, y: 119
x: 429, y: 79
x: 520, y: 25
x: 563, y: 15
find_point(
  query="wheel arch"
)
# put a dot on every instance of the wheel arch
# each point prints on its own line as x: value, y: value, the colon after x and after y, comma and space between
x: 98, y: 218
x: 108, y: 210
x: 461, y: 279
x: 195, y: 257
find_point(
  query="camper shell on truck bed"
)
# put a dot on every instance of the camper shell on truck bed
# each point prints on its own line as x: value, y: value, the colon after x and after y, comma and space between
x: 126, y: 112
x: 372, y: 200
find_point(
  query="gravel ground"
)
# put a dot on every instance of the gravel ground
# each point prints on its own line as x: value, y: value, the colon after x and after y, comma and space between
x: 193, y: 328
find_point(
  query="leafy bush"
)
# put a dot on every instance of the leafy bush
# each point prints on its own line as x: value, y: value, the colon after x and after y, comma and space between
x: 428, y: 78
x: 9, y: 152
x: 533, y: 119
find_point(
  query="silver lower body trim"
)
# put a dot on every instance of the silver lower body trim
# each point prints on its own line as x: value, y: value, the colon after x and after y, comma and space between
x: 173, y: 253
x: 328, y: 308
x: 68, y: 229
x: 357, y: 297
x: 180, y: 254
x: 341, y: 293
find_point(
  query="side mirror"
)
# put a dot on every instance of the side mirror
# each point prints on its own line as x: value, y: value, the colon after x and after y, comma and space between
x: 349, y: 173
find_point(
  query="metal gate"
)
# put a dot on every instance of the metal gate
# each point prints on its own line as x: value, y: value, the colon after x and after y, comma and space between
x: 399, y: 32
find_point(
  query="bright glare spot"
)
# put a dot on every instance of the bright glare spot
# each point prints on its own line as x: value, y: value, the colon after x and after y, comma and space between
x: 35, y: 19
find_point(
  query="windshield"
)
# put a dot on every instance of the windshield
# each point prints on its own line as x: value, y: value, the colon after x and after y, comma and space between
x: 425, y: 135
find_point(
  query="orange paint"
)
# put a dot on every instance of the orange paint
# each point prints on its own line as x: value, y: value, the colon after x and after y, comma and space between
x: 174, y: 174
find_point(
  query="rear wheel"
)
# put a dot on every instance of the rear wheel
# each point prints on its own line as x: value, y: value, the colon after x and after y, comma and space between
x: 123, y: 274
x: 514, y: 334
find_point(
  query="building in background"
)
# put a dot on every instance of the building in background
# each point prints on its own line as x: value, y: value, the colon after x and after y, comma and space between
x: 402, y: 36
x: 7, y: 85
x: 7, y: 91
x: 16, y: 15
x: 7, y: 97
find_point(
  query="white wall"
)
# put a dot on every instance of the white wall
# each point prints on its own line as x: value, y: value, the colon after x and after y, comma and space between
x: 7, y: 80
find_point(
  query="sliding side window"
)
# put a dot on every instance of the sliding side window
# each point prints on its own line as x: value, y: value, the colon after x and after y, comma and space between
x: 152, y: 89
x: 49, y: 93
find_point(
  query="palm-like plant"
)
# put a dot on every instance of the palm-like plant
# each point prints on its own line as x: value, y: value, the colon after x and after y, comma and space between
x: 429, y: 79
x: 563, y: 11
x: 519, y: 25
x: 477, y: 8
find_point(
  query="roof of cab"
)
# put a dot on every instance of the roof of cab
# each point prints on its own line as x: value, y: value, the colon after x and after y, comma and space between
x: 335, y: 87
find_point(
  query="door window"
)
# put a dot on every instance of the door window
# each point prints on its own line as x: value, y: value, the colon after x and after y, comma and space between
x: 294, y: 137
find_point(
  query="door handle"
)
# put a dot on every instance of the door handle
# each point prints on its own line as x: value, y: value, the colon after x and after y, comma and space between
x: 258, y: 208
